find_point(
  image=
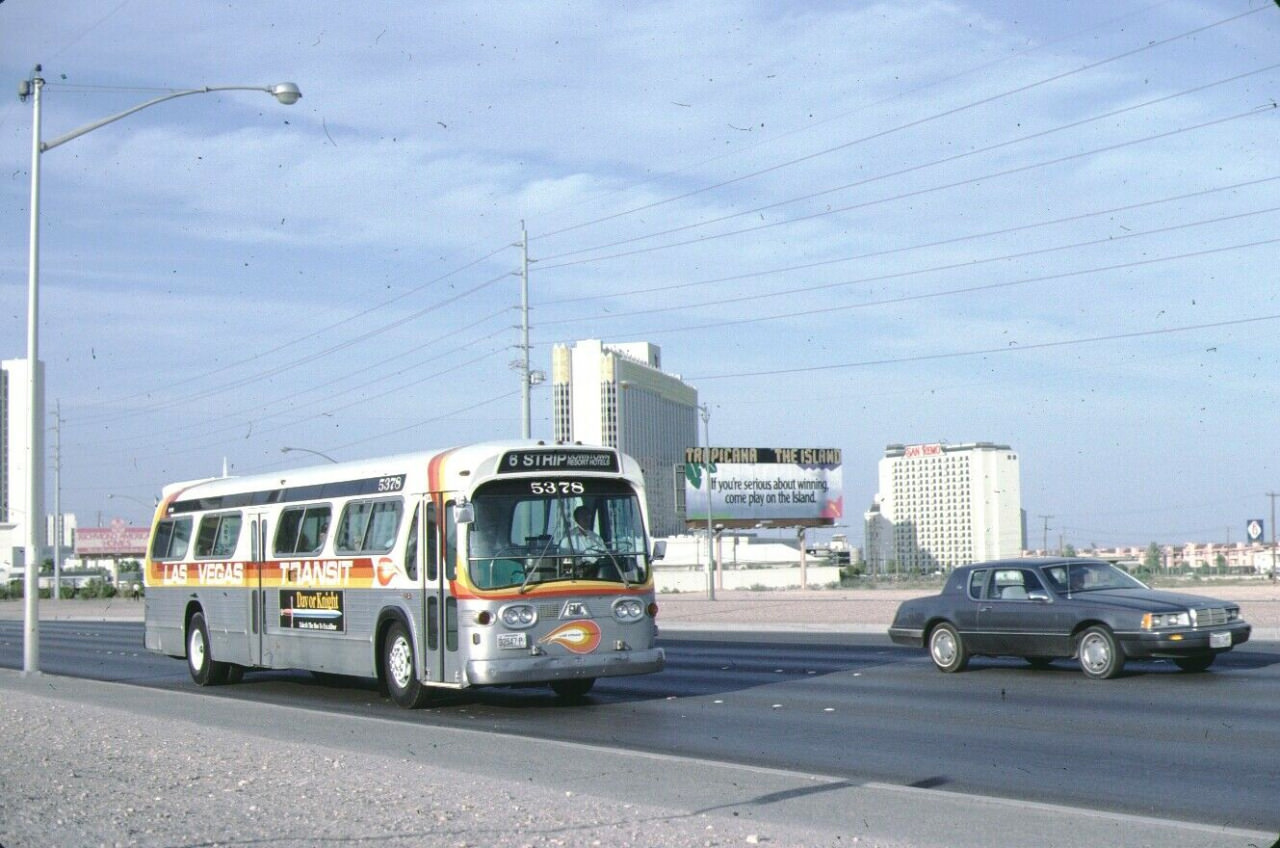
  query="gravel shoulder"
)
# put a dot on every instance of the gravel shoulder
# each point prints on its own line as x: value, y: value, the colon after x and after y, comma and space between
x: 87, y: 763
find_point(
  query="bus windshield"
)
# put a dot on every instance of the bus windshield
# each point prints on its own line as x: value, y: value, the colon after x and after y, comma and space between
x: 528, y: 532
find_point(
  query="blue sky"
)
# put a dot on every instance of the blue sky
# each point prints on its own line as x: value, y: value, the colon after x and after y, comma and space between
x: 847, y: 224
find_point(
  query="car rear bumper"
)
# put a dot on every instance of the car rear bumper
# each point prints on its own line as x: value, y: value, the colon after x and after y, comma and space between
x: 912, y: 637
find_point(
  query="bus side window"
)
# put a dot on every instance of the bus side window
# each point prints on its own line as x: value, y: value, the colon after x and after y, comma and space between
x: 432, y: 545
x: 368, y: 526
x: 302, y: 530
x: 411, y: 548
x: 171, y: 539
x: 218, y: 535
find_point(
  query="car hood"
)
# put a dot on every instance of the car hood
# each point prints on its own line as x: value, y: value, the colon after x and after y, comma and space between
x: 1148, y: 600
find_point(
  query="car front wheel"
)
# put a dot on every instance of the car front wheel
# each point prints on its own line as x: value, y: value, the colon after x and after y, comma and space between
x: 947, y: 649
x: 1101, y: 656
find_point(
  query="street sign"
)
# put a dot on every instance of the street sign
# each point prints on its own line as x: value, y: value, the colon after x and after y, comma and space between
x: 1254, y: 530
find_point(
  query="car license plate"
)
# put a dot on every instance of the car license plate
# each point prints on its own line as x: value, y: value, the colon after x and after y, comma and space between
x: 521, y: 640
x: 1219, y: 640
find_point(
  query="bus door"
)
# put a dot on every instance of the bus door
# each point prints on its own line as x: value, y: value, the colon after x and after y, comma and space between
x: 259, y: 548
x: 440, y: 660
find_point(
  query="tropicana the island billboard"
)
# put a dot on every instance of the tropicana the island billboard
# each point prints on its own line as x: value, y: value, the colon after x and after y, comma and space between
x: 798, y: 487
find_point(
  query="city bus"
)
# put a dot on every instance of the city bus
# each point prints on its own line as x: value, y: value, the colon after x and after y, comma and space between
x: 435, y: 570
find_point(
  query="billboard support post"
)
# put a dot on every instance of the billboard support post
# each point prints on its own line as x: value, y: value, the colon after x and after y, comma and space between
x: 711, y: 540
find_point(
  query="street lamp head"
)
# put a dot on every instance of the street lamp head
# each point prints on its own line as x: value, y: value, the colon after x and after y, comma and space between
x: 286, y: 92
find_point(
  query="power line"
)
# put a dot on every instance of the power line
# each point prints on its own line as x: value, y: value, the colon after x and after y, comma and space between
x: 904, y: 171
x: 919, y: 192
x: 1040, y: 46
x: 1151, y: 45
x: 970, y: 263
x: 320, y: 331
x: 808, y: 266
x: 988, y: 351
x: 172, y: 401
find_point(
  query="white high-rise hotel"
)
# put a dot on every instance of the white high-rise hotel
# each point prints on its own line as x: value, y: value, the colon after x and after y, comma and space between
x: 618, y: 395
x: 940, y: 506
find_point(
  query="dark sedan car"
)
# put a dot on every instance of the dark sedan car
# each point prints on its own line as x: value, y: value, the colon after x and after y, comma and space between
x: 1086, y: 609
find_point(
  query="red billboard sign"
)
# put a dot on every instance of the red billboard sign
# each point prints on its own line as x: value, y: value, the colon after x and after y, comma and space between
x: 117, y: 540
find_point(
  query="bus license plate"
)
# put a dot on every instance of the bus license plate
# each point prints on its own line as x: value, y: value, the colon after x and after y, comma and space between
x: 521, y: 640
x: 1216, y: 640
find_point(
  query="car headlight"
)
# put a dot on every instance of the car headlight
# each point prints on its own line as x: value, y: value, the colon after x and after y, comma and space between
x: 628, y: 609
x: 518, y: 615
x: 1157, y: 620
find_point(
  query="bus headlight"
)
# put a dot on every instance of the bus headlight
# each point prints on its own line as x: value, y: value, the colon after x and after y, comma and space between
x: 628, y: 609
x: 518, y: 615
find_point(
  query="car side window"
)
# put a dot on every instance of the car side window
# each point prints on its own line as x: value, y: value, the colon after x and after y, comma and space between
x: 1015, y: 584
x: 977, y: 580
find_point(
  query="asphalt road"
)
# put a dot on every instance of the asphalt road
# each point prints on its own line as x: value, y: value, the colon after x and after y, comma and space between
x: 1188, y: 747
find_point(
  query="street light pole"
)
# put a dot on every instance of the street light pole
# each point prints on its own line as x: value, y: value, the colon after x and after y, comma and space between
x: 705, y: 409
x: 285, y: 92
x: 35, y: 447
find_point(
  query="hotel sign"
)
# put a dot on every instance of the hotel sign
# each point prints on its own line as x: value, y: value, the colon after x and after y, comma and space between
x: 118, y: 540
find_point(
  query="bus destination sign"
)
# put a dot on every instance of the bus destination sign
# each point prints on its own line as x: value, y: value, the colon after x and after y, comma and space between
x: 546, y: 459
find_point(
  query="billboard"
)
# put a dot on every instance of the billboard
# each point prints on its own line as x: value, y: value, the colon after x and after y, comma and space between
x: 798, y: 487
x: 115, y: 541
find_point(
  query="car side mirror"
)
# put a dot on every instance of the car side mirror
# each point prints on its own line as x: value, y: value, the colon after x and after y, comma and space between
x: 1038, y: 595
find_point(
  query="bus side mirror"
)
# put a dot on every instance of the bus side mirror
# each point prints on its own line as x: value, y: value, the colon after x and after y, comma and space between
x: 464, y: 513
x: 659, y: 549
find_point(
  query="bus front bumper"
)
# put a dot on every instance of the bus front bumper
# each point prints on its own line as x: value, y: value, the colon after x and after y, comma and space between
x: 544, y: 669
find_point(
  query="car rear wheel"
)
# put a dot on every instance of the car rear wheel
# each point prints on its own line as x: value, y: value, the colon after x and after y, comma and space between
x: 1101, y: 656
x: 1200, y: 663
x: 947, y: 649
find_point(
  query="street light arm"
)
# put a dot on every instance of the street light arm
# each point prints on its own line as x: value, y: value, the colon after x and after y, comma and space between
x: 309, y: 450
x: 286, y: 92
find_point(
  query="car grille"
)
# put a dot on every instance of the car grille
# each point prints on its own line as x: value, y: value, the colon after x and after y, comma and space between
x: 1210, y: 616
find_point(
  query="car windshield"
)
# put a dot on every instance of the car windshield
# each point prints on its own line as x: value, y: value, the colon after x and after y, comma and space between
x: 527, y: 532
x: 1090, y: 577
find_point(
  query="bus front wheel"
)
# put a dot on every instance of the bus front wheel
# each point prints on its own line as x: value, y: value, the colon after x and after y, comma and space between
x: 401, y: 670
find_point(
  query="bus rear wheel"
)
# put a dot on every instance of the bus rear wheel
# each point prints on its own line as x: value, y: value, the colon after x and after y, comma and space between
x: 205, y: 670
x: 400, y: 669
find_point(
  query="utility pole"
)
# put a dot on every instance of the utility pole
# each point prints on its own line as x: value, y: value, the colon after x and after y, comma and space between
x: 1273, y: 496
x: 1044, y: 546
